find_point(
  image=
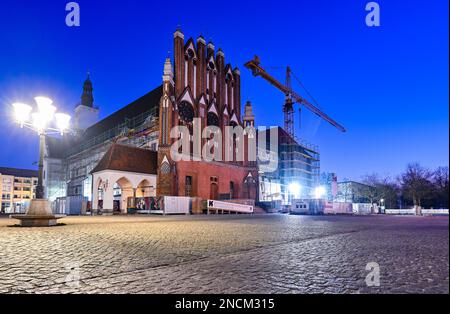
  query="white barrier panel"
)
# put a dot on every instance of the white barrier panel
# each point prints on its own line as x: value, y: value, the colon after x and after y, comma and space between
x: 176, y: 205
x: 362, y: 209
x: 411, y: 211
x: 240, y: 208
x: 434, y: 211
x: 338, y: 208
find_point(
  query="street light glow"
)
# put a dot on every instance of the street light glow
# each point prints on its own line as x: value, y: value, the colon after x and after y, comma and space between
x: 319, y: 192
x: 41, y: 119
x: 62, y: 121
x: 46, y: 109
x: 22, y: 112
x: 39, y: 122
x: 295, y: 189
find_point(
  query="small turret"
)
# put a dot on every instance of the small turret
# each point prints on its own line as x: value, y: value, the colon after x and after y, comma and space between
x: 249, y: 117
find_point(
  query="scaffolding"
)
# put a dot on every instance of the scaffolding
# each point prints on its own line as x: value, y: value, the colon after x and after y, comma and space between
x: 136, y: 124
x: 299, y: 164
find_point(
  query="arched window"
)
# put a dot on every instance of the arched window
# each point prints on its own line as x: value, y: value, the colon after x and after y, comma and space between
x: 186, y: 112
x: 190, y: 53
x: 228, y: 78
x: 213, y: 119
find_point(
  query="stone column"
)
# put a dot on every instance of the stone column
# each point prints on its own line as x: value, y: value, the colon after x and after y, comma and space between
x: 108, y: 200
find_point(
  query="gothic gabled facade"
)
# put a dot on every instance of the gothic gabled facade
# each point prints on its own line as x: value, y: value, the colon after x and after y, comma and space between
x: 197, y: 83
x: 200, y: 84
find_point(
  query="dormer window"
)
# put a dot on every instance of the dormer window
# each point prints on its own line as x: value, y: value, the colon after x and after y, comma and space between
x: 211, y: 65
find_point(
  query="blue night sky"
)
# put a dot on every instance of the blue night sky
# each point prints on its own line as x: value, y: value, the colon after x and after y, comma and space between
x: 388, y: 86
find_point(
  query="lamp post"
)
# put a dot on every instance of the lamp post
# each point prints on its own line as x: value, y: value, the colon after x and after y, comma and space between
x: 39, y: 213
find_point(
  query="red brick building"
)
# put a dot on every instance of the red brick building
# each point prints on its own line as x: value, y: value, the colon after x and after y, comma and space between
x: 200, y: 84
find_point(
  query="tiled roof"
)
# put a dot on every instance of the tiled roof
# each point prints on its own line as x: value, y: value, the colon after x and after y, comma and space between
x: 128, y: 158
x: 23, y: 173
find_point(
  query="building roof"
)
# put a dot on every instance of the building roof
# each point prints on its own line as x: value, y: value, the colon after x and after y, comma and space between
x: 139, y: 106
x: 128, y: 158
x: 60, y: 148
x: 350, y: 182
x: 23, y: 173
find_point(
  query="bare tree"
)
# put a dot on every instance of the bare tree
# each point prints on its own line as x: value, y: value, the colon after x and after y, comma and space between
x: 380, y: 188
x: 370, y: 190
x: 441, y: 187
x: 416, y: 183
x: 389, y: 192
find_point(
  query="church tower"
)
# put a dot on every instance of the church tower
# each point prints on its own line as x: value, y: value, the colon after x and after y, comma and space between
x: 87, y: 98
x: 85, y: 113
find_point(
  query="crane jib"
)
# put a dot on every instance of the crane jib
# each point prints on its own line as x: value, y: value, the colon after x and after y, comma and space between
x: 257, y: 70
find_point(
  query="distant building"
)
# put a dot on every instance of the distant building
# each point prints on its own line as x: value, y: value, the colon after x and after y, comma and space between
x: 328, y: 181
x: 18, y: 187
x: 298, y: 164
x: 353, y: 192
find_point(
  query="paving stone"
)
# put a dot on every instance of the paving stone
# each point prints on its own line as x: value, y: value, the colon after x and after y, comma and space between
x: 226, y: 254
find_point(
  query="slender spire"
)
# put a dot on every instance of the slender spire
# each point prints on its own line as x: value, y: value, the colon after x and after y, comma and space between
x: 87, y: 98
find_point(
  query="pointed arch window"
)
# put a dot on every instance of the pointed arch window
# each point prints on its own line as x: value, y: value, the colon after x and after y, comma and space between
x: 186, y: 111
x: 213, y: 119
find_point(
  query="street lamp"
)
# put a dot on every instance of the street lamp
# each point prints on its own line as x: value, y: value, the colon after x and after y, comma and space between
x: 383, y: 206
x: 39, y: 213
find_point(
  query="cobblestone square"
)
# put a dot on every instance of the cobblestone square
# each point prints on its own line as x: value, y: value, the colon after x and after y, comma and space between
x: 226, y: 254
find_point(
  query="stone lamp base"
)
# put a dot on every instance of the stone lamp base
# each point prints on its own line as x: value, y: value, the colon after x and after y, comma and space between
x: 39, y: 214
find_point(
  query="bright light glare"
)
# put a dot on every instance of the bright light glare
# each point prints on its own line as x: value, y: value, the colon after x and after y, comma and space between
x: 22, y: 112
x: 319, y: 192
x: 46, y: 109
x: 295, y: 188
x: 62, y: 121
x: 39, y: 122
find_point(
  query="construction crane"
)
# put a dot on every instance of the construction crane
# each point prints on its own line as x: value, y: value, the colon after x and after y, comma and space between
x: 291, y: 97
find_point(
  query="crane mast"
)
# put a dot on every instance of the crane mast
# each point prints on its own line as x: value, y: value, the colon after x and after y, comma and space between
x: 288, y: 107
x: 291, y: 97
